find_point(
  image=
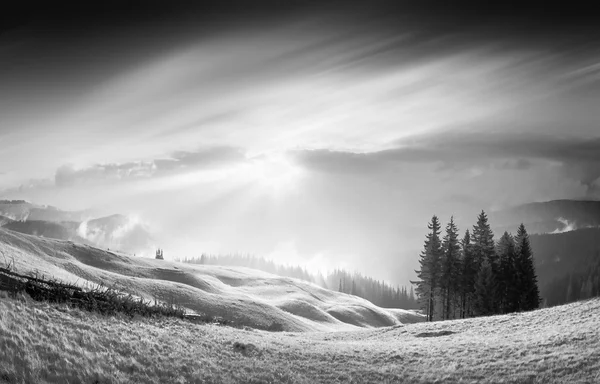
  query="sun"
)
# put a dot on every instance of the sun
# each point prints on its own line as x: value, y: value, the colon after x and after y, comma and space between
x: 274, y: 173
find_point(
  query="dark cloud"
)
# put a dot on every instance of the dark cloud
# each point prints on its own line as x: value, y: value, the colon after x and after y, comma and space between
x: 179, y: 161
x: 579, y: 158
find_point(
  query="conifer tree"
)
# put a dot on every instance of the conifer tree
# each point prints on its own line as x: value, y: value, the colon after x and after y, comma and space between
x: 528, y: 287
x: 450, y: 267
x: 484, y: 249
x: 483, y: 241
x: 429, y: 273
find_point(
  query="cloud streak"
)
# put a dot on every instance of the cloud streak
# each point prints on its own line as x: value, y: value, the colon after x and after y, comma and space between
x: 178, y: 162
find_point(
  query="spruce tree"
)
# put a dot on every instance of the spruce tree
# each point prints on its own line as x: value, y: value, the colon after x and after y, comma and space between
x: 450, y: 267
x: 528, y: 287
x: 483, y: 242
x: 429, y: 273
x: 484, y: 249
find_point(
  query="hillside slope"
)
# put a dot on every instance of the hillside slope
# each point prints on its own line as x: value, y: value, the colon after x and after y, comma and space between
x: 244, y: 296
x: 42, y: 343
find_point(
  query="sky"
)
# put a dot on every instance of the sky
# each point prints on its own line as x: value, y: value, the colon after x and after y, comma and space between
x: 324, y: 134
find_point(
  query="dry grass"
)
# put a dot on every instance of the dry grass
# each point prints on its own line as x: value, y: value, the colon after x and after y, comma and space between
x: 43, y: 343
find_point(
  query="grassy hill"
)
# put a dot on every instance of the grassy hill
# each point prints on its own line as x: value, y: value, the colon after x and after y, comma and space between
x: 241, y: 295
x: 43, y: 343
x: 343, y: 339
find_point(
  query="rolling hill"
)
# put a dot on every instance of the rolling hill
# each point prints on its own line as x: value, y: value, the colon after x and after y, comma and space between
x: 241, y: 295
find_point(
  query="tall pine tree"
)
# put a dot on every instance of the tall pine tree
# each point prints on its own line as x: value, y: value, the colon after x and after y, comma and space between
x: 484, y: 250
x: 429, y: 273
x: 527, y: 278
x: 450, y: 268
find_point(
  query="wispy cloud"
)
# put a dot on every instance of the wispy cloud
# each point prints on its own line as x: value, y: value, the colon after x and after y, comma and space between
x: 177, y: 162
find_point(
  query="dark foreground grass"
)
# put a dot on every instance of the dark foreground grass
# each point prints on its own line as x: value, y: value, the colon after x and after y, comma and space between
x: 47, y: 343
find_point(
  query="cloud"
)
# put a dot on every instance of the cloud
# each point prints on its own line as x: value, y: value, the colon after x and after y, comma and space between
x: 67, y: 175
x: 462, y: 150
x: 205, y: 158
x: 177, y: 162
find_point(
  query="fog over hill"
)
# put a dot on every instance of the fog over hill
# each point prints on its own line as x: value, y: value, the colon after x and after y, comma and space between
x: 119, y: 232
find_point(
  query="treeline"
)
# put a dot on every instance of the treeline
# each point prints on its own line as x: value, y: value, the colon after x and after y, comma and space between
x: 377, y: 292
x: 475, y: 276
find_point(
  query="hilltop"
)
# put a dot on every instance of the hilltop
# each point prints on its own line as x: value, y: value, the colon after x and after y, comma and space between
x: 241, y: 295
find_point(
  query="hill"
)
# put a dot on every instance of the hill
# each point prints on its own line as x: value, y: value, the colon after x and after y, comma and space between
x: 241, y: 295
x: 45, y: 343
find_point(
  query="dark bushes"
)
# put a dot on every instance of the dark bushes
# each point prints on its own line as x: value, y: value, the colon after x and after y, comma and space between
x: 104, y: 300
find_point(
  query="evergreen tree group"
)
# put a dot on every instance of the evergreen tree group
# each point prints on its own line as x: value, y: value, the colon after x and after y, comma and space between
x: 475, y: 276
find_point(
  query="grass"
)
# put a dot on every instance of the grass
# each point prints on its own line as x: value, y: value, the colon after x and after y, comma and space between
x: 50, y: 343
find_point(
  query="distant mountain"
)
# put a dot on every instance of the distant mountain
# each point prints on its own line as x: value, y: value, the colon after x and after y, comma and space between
x: 22, y: 210
x: 565, y: 239
x: 117, y: 232
x: 548, y: 217
x: 569, y: 258
x: 61, y: 231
